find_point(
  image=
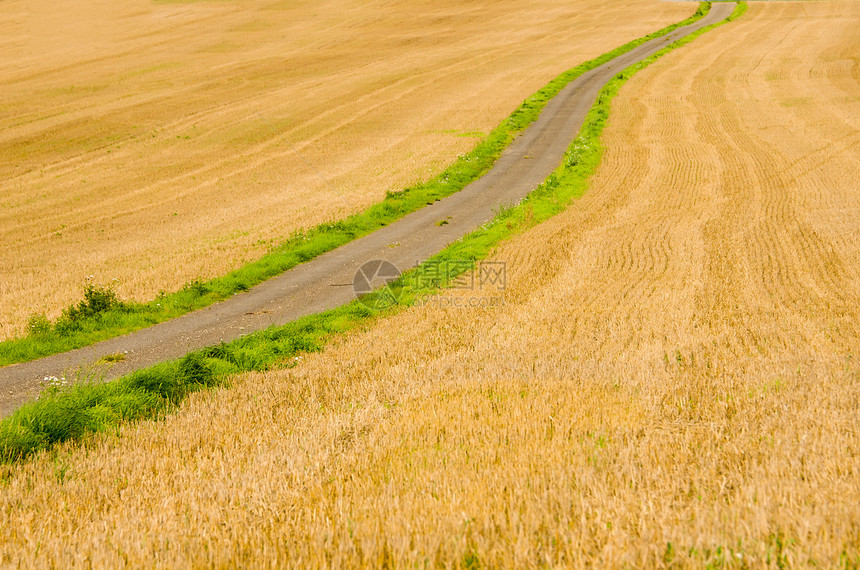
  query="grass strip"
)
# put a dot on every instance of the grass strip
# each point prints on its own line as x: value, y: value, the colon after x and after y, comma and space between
x: 71, y: 413
x: 93, y: 320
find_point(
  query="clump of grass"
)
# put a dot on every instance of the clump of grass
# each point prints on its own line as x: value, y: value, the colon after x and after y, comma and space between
x: 88, y: 327
x: 39, y: 325
x: 63, y: 414
x: 117, y: 357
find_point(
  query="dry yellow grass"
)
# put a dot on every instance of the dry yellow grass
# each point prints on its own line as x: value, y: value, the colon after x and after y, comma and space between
x: 675, y: 364
x: 151, y: 141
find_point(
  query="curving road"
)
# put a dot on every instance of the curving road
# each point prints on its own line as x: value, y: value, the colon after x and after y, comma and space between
x: 318, y: 285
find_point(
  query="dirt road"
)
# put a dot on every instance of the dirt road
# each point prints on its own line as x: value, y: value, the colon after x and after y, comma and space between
x: 319, y: 284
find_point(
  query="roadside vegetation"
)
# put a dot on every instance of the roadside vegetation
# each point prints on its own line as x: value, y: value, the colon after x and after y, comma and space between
x: 94, y: 323
x: 70, y: 412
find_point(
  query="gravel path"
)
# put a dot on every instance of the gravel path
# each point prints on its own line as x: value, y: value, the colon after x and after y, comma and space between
x: 325, y: 282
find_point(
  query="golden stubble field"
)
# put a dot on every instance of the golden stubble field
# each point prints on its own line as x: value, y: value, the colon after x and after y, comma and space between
x: 672, y: 381
x: 153, y: 142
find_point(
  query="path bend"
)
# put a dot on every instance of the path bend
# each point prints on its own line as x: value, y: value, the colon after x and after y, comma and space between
x: 317, y: 285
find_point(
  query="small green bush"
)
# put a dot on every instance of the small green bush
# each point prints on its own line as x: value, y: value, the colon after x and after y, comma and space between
x: 97, y: 301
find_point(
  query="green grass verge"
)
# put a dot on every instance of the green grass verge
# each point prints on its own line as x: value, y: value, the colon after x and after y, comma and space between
x: 70, y: 413
x: 82, y: 328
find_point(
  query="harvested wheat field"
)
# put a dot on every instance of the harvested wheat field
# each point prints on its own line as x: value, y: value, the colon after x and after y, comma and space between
x: 154, y: 142
x: 671, y: 381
